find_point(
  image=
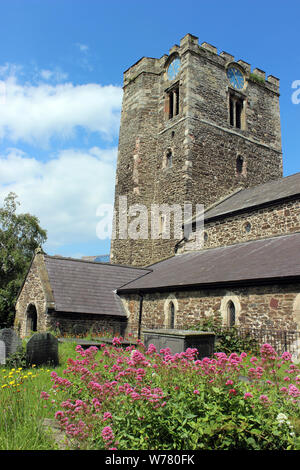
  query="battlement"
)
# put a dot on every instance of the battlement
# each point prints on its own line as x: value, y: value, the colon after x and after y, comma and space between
x: 257, y: 74
x: 190, y: 42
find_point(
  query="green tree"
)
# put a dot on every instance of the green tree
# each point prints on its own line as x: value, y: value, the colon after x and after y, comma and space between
x: 20, y: 235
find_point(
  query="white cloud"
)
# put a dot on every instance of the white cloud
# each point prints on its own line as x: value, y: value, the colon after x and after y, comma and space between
x: 64, y: 192
x: 37, y: 113
x: 82, y: 47
x: 55, y: 75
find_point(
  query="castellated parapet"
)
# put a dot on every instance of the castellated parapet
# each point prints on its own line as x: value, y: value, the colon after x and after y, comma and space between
x: 191, y: 132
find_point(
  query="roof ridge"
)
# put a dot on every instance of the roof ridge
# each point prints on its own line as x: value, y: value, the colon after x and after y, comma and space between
x: 247, y: 242
x: 59, y: 257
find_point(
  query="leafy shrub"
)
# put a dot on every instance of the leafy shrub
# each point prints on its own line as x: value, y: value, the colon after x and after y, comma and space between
x: 137, y: 399
x: 17, y: 359
x: 228, y: 340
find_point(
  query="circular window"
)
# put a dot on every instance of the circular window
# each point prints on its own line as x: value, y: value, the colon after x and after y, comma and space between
x: 247, y: 227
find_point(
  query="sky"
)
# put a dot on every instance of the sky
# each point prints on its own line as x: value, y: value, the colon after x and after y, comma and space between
x: 61, y: 74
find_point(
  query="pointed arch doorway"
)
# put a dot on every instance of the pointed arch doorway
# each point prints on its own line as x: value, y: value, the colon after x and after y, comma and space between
x: 31, y: 319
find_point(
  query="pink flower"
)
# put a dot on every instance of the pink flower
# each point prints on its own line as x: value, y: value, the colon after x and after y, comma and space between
x: 196, y: 392
x: 45, y: 395
x: 248, y: 395
x: 264, y: 398
x: 229, y: 382
x: 117, y: 341
x: 106, y: 416
x: 268, y: 352
x: 151, y: 349
x: 107, y: 434
x: 286, y: 356
x: 232, y: 391
x: 294, y: 391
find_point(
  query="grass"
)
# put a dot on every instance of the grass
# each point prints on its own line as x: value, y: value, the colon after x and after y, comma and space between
x: 22, y: 409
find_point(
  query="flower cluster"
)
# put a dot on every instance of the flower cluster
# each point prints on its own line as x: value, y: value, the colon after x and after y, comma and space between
x: 112, y: 388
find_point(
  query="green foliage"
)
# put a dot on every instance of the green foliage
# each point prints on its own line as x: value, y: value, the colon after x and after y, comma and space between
x: 20, y: 235
x: 256, y: 78
x: 17, y: 359
x: 228, y: 340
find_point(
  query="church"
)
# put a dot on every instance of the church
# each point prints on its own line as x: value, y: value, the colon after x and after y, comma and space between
x: 202, y: 129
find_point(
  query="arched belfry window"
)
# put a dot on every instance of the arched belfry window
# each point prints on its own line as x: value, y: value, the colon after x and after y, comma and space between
x: 230, y: 314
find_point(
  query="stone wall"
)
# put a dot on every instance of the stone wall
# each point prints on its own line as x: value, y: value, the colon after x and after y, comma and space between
x: 265, y: 306
x: 80, y: 324
x: 279, y: 219
x: 32, y: 294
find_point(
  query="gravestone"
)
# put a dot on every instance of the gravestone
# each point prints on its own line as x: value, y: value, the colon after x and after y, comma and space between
x: 42, y: 348
x: 2, y: 352
x: 180, y: 340
x: 11, y: 340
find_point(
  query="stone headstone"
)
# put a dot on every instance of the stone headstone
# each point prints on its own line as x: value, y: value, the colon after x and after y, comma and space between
x: 180, y: 340
x: 11, y: 340
x: 42, y: 348
x: 2, y: 352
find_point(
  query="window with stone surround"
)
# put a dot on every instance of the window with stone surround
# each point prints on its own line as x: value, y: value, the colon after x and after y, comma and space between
x: 170, y: 311
x: 236, y: 111
x: 239, y: 165
x: 168, y: 159
x: 172, y: 102
x: 172, y: 315
x: 230, y: 314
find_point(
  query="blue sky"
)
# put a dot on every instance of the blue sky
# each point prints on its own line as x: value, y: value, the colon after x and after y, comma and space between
x: 61, y: 71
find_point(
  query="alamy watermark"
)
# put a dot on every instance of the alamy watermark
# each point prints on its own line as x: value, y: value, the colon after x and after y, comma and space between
x: 296, y: 93
x: 160, y: 221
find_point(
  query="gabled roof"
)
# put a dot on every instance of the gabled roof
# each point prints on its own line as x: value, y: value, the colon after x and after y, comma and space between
x: 81, y: 286
x: 272, y: 259
x: 261, y: 195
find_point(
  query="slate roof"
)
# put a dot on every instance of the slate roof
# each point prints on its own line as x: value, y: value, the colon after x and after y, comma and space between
x: 88, y: 287
x: 252, y: 262
x: 261, y: 195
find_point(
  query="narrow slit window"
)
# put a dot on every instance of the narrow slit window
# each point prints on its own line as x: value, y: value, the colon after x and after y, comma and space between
x: 231, y: 314
x: 239, y: 165
x: 169, y: 159
x: 172, y: 315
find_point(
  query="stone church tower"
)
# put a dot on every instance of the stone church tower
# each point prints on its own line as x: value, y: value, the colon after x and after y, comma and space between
x: 195, y: 126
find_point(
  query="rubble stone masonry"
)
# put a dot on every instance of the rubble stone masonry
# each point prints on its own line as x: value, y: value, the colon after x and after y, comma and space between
x: 264, y: 306
x: 279, y: 219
